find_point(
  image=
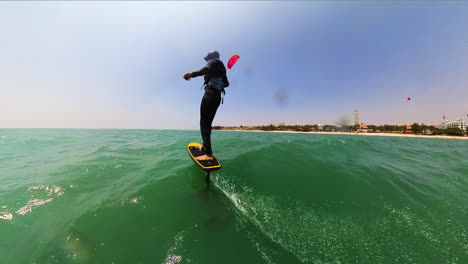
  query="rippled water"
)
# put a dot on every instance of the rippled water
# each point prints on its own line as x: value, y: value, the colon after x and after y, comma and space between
x: 134, y: 196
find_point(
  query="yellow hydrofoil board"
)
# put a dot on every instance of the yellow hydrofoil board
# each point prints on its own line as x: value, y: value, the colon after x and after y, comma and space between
x: 194, y: 150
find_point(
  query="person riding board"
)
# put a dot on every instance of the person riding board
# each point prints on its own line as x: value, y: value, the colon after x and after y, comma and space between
x: 215, y: 81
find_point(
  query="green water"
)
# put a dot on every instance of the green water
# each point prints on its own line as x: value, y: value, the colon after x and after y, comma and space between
x: 134, y: 196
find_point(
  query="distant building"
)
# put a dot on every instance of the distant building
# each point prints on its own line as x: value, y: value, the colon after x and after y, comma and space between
x: 427, y: 132
x: 363, y: 128
x: 459, y: 123
x: 356, y: 117
x: 409, y: 129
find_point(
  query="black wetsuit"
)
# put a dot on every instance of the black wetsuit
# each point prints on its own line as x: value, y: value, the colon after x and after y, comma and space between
x: 211, y: 99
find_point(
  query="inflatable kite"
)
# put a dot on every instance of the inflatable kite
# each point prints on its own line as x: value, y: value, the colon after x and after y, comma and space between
x: 232, y: 61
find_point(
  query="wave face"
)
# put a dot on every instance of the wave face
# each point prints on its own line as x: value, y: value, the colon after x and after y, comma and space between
x: 134, y: 196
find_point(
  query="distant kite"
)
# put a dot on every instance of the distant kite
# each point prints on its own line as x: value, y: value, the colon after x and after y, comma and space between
x: 232, y: 61
x: 408, y: 99
x: 443, y: 117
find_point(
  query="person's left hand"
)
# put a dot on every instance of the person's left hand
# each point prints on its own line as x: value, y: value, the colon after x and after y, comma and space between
x: 187, y: 76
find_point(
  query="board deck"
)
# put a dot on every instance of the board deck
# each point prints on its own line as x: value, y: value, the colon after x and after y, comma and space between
x: 193, y: 150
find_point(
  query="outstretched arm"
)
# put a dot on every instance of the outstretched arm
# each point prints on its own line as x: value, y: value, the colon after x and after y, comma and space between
x: 200, y: 72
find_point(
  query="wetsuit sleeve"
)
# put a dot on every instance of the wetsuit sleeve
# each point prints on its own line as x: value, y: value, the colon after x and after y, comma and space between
x: 203, y: 71
x: 200, y: 72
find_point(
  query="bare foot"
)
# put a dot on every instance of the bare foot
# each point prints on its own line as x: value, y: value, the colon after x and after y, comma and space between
x: 204, y: 157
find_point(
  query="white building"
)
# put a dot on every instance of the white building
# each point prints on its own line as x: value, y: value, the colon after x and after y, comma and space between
x: 356, y: 117
x: 459, y: 123
x: 279, y: 124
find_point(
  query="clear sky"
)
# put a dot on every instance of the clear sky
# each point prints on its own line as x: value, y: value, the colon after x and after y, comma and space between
x: 120, y: 64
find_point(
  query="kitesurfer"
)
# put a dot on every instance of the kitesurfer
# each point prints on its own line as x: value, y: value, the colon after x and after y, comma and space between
x: 216, y: 80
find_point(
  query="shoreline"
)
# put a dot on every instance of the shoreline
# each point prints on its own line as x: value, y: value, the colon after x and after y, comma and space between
x: 354, y: 134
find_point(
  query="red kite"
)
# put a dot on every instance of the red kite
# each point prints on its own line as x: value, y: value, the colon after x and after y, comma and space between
x: 232, y: 61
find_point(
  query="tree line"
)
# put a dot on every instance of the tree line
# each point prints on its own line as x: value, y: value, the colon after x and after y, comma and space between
x: 416, y: 128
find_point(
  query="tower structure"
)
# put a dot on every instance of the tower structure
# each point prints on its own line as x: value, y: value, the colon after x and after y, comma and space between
x: 356, y: 117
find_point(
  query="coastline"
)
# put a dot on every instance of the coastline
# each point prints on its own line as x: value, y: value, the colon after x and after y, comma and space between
x: 354, y: 134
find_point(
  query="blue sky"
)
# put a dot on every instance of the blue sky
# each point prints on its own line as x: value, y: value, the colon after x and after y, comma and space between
x: 120, y: 64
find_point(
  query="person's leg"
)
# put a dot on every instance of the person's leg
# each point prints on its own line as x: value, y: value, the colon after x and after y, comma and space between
x: 208, y: 108
x: 210, y: 117
x: 204, y: 128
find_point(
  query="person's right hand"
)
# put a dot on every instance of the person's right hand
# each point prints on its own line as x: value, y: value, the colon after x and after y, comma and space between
x: 187, y: 76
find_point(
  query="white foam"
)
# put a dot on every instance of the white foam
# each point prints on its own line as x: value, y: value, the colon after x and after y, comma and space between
x: 6, y: 216
x: 52, y: 189
x: 171, y: 258
x: 31, y: 205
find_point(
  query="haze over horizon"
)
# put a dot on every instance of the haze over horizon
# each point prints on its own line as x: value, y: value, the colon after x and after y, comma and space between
x: 120, y: 64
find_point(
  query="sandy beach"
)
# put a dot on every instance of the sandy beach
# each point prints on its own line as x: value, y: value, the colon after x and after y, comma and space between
x: 356, y: 134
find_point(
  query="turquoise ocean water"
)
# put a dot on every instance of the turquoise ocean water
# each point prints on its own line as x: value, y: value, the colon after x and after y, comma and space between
x: 134, y: 196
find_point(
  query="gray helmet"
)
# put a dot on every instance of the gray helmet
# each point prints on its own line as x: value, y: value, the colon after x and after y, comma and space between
x: 212, y: 55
